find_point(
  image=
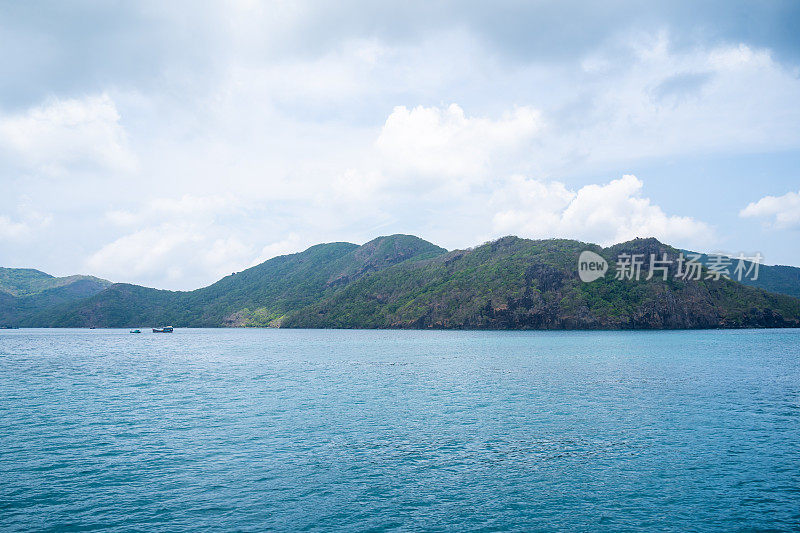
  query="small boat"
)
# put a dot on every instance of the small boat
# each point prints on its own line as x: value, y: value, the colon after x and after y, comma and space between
x: 165, y: 329
x: 136, y: 331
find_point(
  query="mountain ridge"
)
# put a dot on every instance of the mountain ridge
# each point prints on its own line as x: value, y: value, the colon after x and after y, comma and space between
x: 514, y: 283
x: 20, y: 282
x: 25, y: 292
x: 781, y: 279
x: 402, y: 281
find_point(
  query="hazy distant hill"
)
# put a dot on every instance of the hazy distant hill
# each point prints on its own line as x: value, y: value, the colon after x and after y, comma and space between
x: 25, y: 292
x: 778, y: 278
x: 401, y: 281
x: 27, y: 281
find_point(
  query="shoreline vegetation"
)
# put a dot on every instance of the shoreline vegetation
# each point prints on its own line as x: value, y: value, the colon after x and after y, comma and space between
x: 404, y: 282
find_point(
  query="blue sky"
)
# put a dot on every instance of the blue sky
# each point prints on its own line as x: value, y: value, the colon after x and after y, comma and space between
x: 171, y: 143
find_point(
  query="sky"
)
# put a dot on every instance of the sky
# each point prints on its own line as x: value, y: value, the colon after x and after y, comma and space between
x: 171, y: 143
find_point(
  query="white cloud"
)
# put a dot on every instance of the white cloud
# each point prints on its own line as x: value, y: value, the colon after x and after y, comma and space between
x: 336, y: 75
x: 645, y: 99
x: 68, y: 134
x: 783, y: 211
x: 171, y: 254
x: 10, y: 229
x: 259, y: 153
x: 439, y: 141
x: 27, y: 224
x: 292, y: 243
x: 184, y: 208
x: 605, y: 214
x: 175, y: 242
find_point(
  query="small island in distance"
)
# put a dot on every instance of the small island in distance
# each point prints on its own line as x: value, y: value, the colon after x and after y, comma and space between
x: 404, y: 282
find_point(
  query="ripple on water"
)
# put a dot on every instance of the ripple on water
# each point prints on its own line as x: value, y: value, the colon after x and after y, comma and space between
x: 359, y: 430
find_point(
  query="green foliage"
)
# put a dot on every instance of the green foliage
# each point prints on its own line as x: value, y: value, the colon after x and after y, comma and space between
x: 402, y: 281
x: 26, y: 295
x: 778, y: 279
x: 22, y: 282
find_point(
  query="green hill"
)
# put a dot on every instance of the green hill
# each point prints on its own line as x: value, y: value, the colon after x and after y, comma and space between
x: 401, y: 281
x: 25, y: 293
x: 780, y: 279
x: 22, y: 282
x: 257, y: 296
x: 515, y: 283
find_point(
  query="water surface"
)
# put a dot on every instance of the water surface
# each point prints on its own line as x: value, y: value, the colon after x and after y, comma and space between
x: 252, y: 430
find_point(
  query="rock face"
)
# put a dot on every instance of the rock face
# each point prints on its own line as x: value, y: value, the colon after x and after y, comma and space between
x: 401, y: 281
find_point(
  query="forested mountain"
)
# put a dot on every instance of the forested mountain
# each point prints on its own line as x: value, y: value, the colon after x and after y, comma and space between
x: 781, y: 279
x: 21, y: 282
x: 515, y: 283
x: 25, y: 292
x: 401, y: 281
x: 256, y: 296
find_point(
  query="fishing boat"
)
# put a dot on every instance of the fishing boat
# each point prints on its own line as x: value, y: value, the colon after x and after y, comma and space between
x: 165, y: 329
x: 136, y: 331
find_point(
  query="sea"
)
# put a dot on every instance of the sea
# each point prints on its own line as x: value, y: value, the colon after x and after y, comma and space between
x: 362, y: 430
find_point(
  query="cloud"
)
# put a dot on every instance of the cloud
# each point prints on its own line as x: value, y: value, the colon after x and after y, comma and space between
x: 258, y: 128
x: 26, y: 225
x: 782, y: 211
x: 606, y: 214
x: 159, y: 253
x: 682, y: 84
x: 10, y: 229
x: 292, y: 243
x: 644, y: 99
x: 67, y: 134
x: 49, y: 54
x: 176, y: 242
x: 443, y: 141
x: 184, y: 208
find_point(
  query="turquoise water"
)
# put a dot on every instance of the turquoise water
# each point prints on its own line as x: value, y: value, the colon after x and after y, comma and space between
x: 251, y: 430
